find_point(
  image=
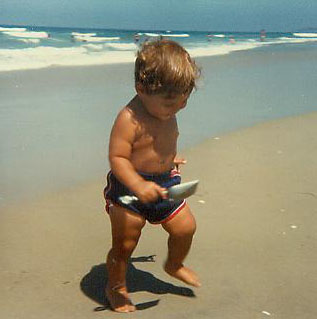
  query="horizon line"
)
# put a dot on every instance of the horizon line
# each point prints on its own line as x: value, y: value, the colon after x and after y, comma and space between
x: 141, y: 29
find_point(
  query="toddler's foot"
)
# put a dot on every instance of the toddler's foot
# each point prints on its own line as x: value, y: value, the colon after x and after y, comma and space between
x: 182, y: 273
x: 119, y: 299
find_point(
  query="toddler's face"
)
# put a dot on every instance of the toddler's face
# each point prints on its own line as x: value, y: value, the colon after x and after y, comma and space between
x: 161, y: 107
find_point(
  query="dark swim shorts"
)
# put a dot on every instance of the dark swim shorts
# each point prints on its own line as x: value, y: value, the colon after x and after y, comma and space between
x: 156, y: 212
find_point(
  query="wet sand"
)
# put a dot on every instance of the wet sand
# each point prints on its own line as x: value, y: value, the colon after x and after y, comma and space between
x: 255, y: 247
x: 55, y: 122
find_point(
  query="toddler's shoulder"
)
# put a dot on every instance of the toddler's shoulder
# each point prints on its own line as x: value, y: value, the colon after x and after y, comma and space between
x: 125, y: 114
x: 126, y: 120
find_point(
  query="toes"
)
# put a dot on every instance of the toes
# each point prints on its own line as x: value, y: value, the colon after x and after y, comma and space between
x: 184, y: 274
x: 123, y: 309
x: 119, y: 300
x: 132, y: 308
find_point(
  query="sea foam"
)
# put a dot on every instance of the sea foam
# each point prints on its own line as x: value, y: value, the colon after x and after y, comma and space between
x: 30, y: 34
x: 306, y: 35
x: 91, y: 54
x: 41, y: 57
x: 12, y: 29
x: 95, y: 48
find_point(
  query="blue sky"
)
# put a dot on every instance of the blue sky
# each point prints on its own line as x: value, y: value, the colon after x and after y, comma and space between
x: 213, y: 15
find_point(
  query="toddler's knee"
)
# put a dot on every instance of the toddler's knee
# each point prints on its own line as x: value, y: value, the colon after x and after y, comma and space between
x: 191, y: 229
x: 125, y: 248
x: 187, y: 230
x: 190, y: 225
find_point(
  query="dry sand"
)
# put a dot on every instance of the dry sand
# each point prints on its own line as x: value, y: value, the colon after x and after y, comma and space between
x: 255, y: 249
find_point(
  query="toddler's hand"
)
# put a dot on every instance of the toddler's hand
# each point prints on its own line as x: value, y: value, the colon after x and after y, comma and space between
x: 149, y: 192
x: 179, y: 161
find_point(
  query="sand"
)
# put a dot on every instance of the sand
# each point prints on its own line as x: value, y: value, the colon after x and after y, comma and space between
x: 255, y: 247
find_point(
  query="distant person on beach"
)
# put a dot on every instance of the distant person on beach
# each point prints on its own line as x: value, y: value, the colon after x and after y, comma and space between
x: 262, y: 35
x: 143, y: 161
x: 136, y: 38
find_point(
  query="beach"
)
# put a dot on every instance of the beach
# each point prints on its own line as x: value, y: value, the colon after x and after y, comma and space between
x: 253, y: 150
x: 255, y: 248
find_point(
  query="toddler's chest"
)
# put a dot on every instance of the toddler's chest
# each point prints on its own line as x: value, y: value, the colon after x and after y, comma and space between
x: 164, y: 136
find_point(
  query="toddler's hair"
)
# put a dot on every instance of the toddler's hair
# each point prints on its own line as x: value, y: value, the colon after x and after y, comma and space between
x: 165, y: 67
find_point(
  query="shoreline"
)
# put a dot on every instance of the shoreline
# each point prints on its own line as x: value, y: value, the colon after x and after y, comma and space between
x: 95, y: 59
x: 256, y: 214
x: 101, y: 180
x: 124, y: 57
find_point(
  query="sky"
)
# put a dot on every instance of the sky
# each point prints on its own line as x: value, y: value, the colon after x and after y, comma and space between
x: 190, y: 15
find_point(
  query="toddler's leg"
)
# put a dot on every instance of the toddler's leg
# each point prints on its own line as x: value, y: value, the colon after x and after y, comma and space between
x: 126, y: 231
x: 181, y: 229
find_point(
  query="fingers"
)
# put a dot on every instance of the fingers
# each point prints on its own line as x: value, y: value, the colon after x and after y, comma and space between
x: 179, y: 161
x: 158, y: 191
x: 162, y: 192
x: 150, y: 192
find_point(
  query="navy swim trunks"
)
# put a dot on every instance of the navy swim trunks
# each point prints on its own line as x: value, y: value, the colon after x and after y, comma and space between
x: 157, y: 212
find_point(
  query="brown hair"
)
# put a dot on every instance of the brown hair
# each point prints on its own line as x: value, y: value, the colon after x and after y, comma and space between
x: 165, y: 67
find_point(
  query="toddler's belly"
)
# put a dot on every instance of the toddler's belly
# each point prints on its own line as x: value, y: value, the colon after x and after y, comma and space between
x: 153, y: 163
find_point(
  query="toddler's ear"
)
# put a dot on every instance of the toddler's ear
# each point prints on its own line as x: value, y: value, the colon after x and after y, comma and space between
x: 139, y: 88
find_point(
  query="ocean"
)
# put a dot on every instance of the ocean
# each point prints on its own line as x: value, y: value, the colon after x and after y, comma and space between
x: 61, y: 89
x: 30, y: 47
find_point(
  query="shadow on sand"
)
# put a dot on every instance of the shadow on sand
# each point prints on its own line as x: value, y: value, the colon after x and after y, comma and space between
x: 93, y: 284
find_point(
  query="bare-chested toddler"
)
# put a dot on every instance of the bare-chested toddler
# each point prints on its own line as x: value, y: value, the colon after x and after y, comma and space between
x: 144, y: 163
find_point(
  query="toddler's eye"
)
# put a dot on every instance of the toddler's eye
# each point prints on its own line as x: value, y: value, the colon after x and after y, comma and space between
x: 169, y: 104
